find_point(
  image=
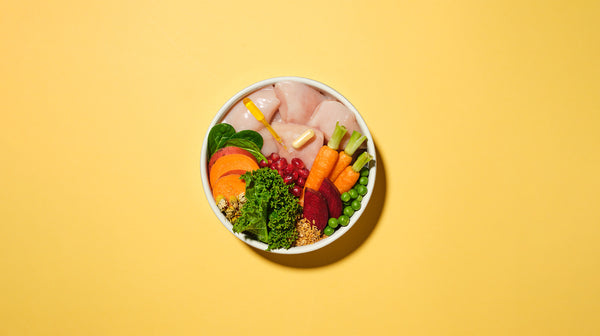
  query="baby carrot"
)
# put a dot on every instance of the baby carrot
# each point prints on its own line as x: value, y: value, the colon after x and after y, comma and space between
x: 347, y: 179
x: 325, y: 159
x: 345, y: 156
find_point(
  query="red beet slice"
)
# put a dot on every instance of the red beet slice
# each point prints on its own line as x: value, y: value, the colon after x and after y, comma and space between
x: 315, y: 208
x: 333, y: 197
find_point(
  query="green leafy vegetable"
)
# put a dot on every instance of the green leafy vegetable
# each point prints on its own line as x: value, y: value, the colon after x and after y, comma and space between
x: 247, y: 145
x: 270, y: 212
x: 217, y: 134
x: 223, y: 135
x: 250, y: 135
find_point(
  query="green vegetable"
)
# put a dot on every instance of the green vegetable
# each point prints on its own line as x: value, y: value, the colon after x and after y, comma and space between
x: 363, y: 180
x: 249, y: 135
x: 328, y: 231
x: 353, y: 193
x: 355, y: 205
x: 344, y: 220
x: 270, y: 212
x: 361, y: 189
x: 364, y: 172
x: 216, y: 134
x: 333, y: 222
x: 360, y: 198
x: 345, y: 197
x: 348, y: 211
x: 223, y: 135
x: 247, y: 145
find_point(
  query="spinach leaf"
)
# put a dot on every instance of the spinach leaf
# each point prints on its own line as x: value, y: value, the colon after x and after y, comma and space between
x: 217, y: 135
x: 247, y: 145
x: 251, y: 135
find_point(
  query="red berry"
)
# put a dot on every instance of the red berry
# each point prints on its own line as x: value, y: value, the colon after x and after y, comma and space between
x: 303, y: 172
x: 289, y: 169
x: 296, y: 191
x: 288, y: 179
x: 301, y: 181
x: 297, y: 163
x: 273, y: 166
x: 295, y: 175
x: 273, y: 157
x: 263, y: 163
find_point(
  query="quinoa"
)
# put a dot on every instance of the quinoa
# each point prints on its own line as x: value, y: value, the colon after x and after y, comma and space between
x: 307, y: 233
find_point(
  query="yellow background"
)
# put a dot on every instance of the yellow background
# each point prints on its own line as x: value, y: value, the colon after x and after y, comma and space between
x: 486, y: 215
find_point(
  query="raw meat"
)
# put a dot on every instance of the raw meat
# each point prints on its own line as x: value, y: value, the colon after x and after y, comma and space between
x: 241, y: 119
x: 298, y: 101
x: 327, y: 114
x: 269, y: 143
x: 288, y: 133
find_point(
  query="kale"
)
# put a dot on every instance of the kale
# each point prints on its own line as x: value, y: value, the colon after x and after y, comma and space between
x: 271, y: 211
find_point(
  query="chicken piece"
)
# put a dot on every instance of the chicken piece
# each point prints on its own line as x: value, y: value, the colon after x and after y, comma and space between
x: 288, y: 133
x: 269, y: 142
x: 327, y: 114
x: 298, y: 101
x: 241, y: 119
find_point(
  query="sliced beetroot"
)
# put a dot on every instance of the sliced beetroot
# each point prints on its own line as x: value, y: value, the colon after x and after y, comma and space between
x: 315, y: 208
x: 333, y: 197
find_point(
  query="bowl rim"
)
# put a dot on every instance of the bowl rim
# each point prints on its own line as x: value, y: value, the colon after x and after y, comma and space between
x: 364, y: 130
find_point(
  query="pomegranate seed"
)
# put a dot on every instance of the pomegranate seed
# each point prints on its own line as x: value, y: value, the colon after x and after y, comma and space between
x: 273, y: 166
x: 289, y: 169
x: 263, y: 163
x: 296, y: 191
x: 275, y: 156
x: 288, y: 179
x: 295, y: 175
x: 297, y: 163
x: 303, y: 172
x: 301, y: 181
x: 281, y: 173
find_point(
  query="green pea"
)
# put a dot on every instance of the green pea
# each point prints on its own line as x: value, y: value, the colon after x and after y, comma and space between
x: 344, y: 220
x: 328, y: 231
x: 359, y: 198
x: 362, y: 190
x: 353, y: 193
x: 364, y: 172
x: 348, y: 211
x: 363, y: 180
x: 333, y: 222
x: 345, y: 197
x: 355, y: 205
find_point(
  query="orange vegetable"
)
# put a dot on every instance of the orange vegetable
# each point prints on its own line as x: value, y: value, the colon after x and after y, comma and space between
x: 347, y: 179
x: 229, y: 186
x: 345, y: 157
x: 230, y: 163
x: 325, y: 159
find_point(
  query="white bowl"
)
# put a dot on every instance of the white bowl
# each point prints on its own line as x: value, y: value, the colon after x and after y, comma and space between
x: 341, y: 230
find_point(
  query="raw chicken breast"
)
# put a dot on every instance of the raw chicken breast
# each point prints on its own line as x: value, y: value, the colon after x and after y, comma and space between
x: 241, y: 119
x: 290, y: 132
x: 269, y: 143
x: 298, y: 101
x: 327, y: 114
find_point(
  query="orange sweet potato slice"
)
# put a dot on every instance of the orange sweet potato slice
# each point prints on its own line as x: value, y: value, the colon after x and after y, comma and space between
x: 231, y: 162
x: 229, y: 186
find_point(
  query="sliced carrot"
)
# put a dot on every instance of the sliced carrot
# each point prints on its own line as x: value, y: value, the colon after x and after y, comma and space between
x: 231, y: 162
x: 229, y: 186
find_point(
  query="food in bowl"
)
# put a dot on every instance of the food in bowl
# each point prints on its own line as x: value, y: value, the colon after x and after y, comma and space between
x: 288, y: 164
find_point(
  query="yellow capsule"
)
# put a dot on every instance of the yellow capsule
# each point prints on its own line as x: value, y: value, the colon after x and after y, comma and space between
x: 303, y: 138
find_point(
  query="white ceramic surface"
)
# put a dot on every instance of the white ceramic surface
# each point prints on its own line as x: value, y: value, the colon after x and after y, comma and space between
x: 340, y: 231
